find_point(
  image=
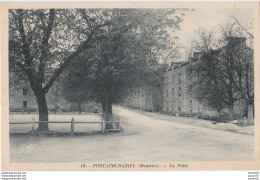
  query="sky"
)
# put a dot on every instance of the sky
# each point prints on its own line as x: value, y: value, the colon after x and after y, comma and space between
x: 210, y: 19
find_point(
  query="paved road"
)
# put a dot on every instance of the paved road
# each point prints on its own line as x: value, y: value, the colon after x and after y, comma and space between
x: 144, y: 138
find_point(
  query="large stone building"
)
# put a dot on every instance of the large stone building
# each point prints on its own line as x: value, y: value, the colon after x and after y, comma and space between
x: 175, y: 94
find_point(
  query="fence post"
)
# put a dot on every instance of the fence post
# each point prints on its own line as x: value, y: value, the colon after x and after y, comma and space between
x: 33, y: 124
x: 72, y: 126
x: 119, y: 124
x: 102, y: 126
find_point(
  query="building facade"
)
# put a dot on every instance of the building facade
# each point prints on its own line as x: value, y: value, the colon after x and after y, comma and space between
x: 173, y: 97
x: 23, y: 100
x: 140, y: 98
x: 176, y: 90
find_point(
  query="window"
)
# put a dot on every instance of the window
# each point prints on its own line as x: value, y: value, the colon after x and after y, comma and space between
x: 24, y: 91
x: 167, y: 93
x: 167, y: 108
x: 24, y: 104
x: 179, y: 91
x: 179, y: 77
x: 172, y: 92
x: 173, y: 79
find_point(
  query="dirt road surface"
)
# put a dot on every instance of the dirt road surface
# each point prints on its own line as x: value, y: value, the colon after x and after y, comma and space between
x: 144, y: 138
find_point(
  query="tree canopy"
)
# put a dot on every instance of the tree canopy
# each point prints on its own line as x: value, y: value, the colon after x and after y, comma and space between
x: 45, y: 42
x: 126, y: 55
x: 223, y: 74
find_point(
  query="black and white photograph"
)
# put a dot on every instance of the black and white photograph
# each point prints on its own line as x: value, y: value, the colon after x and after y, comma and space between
x: 131, y: 87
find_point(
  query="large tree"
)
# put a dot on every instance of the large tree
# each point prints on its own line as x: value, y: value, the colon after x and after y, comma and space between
x: 126, y: 55
x: 238, y: 57
x: 43, y: 42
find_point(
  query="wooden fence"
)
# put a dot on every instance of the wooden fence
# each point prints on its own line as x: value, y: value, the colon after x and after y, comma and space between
x: 73, y: 122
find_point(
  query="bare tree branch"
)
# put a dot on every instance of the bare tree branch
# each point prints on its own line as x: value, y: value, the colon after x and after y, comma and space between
x: 242, y: 27
x: 44, y: 45
x: 85, y: 45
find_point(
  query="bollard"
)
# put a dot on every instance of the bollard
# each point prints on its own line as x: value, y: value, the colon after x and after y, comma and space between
x: 72, y: 126
x: 33, y: 124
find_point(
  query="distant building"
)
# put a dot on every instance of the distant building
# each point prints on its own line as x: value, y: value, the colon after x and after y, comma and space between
x: 22, y: 99
x: 142, y: 98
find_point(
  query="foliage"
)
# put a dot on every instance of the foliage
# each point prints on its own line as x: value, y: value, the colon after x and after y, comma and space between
x: 126, y: 55
x: 43, y: 42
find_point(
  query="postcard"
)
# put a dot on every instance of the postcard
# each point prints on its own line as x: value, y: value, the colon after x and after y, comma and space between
x: 141, y: 86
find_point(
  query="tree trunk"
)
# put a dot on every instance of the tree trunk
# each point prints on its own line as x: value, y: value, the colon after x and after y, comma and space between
x: 219, y: 114
x: 161, y: 99
x: 250, y: 115
x: 103, y: 109
x: 109, y: 115
x: 230, y: 112
x: 79, y: 107
x: 43, y: 111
